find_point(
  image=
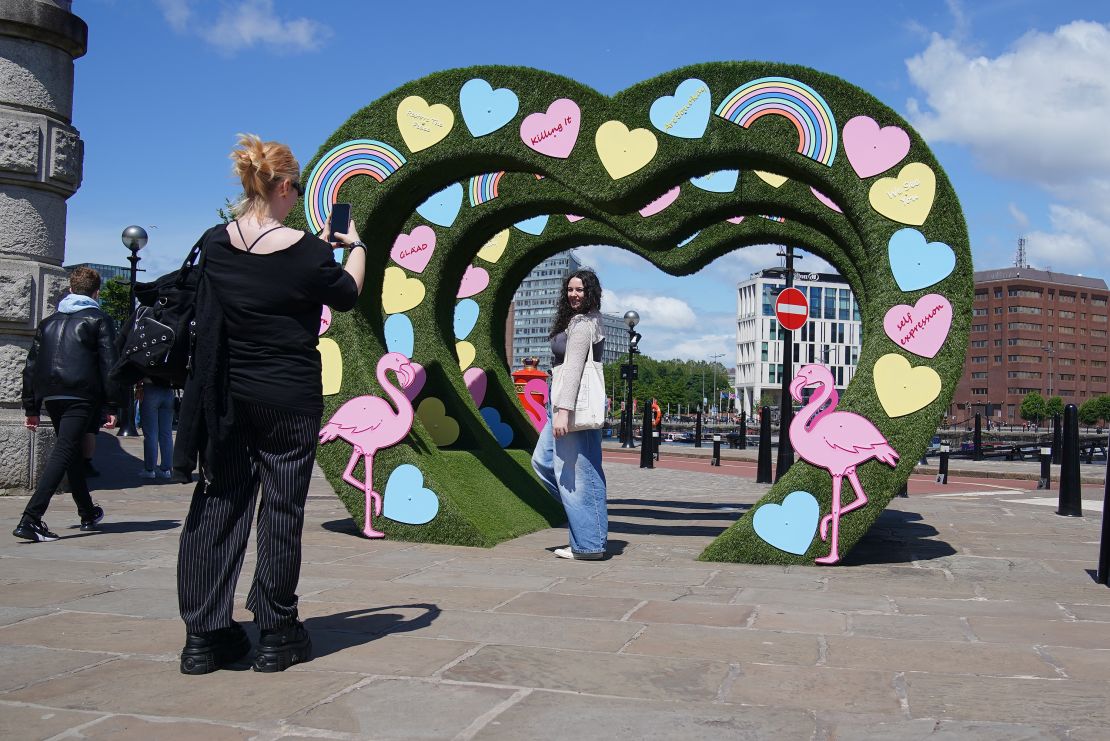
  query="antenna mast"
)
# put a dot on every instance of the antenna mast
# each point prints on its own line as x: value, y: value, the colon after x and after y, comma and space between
x: 1020, y: 261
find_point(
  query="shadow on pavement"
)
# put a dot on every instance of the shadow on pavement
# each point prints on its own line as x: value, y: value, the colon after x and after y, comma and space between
x: 134, y: 526
x: 898, y: 537
x: 343, y: 630
x: 118, y: 468
x: 709, y: 520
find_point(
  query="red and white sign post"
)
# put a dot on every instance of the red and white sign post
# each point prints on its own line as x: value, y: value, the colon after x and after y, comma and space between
x: 791, y: 309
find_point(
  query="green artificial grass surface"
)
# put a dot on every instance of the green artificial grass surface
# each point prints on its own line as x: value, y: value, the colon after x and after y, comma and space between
x: 488, y: 494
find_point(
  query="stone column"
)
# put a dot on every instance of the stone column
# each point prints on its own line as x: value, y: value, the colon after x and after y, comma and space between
x: 40, y: 167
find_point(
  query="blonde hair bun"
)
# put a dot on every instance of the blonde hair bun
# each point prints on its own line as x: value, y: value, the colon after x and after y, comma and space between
x: 260, y: 166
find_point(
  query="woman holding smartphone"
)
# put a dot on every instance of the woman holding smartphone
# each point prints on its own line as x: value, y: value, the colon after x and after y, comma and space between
x: 254, y: 395
x: 569, y: 463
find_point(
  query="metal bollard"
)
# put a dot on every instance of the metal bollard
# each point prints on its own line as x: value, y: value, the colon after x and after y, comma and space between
x: 743, y: 430
x: 716, y: 459
x: 763, y: 469
x: 1045, y: 481
x: 697, y: 429
x: 942, y: 474
x: 1102, y: 576
x: 647, y: 440
x: 1071, y: 499
x: 977, y: 439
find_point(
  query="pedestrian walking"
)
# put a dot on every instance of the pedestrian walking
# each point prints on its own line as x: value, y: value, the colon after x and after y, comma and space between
x: 251, y: 412
x: 569, y: 463
x: 67, y: 371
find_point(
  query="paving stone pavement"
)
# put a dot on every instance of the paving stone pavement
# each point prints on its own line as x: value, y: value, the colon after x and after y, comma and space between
x: 955, y: 618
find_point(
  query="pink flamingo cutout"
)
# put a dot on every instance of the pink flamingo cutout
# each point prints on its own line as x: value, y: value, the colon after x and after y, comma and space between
x: 369, y: 424
x: 836, y: 441
x: 537, y: 412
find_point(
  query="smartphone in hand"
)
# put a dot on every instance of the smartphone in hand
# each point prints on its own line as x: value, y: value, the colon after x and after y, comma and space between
x: 340, y: 219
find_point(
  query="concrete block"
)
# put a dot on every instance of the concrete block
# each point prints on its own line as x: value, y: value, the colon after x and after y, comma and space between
x: 66, y: 156
x: 32, y: 223
x: 35, y: 75
x: 20, y: 140
x: 15, y: 296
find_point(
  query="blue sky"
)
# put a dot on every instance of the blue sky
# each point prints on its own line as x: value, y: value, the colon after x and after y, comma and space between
x: 1012, y: 95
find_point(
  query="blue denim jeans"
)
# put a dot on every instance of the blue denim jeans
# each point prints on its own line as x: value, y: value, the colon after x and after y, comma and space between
x: 156, y: 410
x: 570, y: 469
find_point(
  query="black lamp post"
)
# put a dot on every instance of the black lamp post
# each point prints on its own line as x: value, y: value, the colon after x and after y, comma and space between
x: 134, y: 239
x: 628, y: 372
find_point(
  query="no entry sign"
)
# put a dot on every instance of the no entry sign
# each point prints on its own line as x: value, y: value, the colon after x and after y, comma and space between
x: 791, y: 308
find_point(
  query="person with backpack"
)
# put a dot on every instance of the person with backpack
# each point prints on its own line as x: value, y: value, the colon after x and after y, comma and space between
x: 251, y: 412
x: 67, y: 370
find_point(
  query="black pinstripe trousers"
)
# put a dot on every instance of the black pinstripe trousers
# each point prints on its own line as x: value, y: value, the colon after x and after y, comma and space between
x: 270, y: 451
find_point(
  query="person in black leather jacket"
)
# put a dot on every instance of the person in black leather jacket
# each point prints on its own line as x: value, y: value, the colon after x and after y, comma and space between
x: 67, y: 370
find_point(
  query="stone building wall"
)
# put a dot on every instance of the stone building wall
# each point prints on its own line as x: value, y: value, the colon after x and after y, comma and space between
x: 40, y: 167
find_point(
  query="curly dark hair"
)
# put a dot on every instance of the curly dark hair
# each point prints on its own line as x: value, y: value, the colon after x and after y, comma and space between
x: 591, y: 301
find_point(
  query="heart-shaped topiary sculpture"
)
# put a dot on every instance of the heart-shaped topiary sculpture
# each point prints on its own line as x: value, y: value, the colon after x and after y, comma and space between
x: 473, y: 176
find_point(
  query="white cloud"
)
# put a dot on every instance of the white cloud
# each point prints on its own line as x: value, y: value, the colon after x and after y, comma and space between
x: 1020, y: 217
x: 659, y: 311
x: 246, y: 24
x: 176, y: 12
x: 1034, y: 114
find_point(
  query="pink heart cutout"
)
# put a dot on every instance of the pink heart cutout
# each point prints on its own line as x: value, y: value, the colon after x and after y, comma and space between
x: 413, y: 251
x: 475, y: 379
x: 416, y: 385
x: 825, y: 199
x: 553, y: 133
x: 660, y: 203
x: 474, y: 281
x: 922, y: 328
x: 872, y: 150
x: 574, y: 217
x: 735, y: 219
x: 325, y: 319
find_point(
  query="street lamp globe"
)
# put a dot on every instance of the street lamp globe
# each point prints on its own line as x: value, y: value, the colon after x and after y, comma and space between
x: 631, y: 318
x: 134, y: 238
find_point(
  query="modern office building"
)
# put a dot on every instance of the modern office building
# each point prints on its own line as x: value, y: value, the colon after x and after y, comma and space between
x: 831, y: 336
x: 1033, y: 330
x: 107, y: 272
x: 533, y: 310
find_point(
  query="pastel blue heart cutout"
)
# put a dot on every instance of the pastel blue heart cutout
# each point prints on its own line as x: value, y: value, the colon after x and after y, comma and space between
x: 917, y: 264
x: 502, y: 432
x: 788, y: 526
x: 406, y: 498
x: 466, y: 316
x: 442, y: 208
x: 399, y: 335
x: 684, y: 114
x: 484, y: 109
x: 721, y: 181
x: 534, y: 225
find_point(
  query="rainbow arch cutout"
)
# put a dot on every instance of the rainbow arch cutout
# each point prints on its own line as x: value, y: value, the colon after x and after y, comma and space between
x: 483, y: 188
x: 356, y: 157
x: 801, y: 104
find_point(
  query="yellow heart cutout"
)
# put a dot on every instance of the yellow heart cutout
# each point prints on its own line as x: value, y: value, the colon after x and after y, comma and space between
x: 495, y: 247
x: 331, y: 365
x: 772, y: 179
x: 907, y: 198
x: 903, y: 389
x: 466, y: 353
x: 423, y: 125
x: 433, y: 415
x: 623, y: 152
x: 400, y: 293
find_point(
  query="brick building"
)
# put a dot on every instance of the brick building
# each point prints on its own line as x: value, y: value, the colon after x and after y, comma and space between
x: 1033, y: 330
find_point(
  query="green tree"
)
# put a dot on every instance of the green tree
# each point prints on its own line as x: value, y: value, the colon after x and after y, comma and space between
x: 1055, y: 405
x: 1102, y: 404
x: 114, y: 295
x: 227, y: 212
x: 1033, y: 407
x: 1089, y: 411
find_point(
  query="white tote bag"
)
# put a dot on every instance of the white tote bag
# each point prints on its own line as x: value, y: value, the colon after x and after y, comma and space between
x: 589, y: 409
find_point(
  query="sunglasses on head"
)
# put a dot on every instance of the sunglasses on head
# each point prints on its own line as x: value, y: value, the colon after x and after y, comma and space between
x: 297, y: 187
